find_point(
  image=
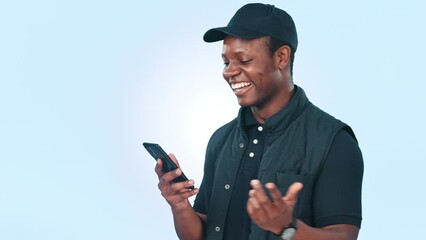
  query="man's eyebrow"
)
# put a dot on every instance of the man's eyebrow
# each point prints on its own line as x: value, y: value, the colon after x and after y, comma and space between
x: 238, y: 52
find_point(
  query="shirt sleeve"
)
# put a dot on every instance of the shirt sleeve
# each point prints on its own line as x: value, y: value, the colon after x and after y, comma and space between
x: 337, y: 193
x: 200, y: 200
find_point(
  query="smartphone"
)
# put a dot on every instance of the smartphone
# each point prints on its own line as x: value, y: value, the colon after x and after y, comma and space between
x: 168, y: 165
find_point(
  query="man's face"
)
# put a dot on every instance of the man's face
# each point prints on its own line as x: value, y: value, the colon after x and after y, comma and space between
x: 252, y: 72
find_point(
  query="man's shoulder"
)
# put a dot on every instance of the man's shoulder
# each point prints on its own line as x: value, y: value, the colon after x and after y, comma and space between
x: 316, y: 113
x: 326, y: 121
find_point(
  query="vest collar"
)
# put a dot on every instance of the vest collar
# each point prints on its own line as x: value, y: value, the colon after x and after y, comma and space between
x: 282, y: 119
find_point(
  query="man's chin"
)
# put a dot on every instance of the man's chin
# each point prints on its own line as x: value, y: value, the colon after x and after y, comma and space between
x: 243, y: 103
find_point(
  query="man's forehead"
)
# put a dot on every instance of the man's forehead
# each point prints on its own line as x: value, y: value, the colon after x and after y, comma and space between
x: 243, y: 45
x: 260, y: 39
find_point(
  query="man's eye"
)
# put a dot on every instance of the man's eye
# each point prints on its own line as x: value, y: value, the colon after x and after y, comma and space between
x: 246, y: 61
x: 226, y: 63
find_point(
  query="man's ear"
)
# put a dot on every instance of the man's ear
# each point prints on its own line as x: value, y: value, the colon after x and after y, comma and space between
x: 282, y: 56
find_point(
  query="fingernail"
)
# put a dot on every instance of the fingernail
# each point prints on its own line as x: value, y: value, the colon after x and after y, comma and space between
x: 177, y: 172
x: 191, y: 182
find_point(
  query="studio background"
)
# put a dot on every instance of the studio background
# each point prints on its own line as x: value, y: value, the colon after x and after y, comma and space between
x: 84, y: 83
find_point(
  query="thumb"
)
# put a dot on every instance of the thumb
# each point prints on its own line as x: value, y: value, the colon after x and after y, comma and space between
x: 291, y: 196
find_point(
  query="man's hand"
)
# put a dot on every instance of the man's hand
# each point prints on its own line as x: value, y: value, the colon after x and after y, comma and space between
x: 272, y: 215
x: 176, y: 194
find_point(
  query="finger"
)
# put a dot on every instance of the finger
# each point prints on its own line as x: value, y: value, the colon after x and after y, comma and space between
x: 186, y: 189
x: 258, y: 192
x: 159, y: 168
x: 173, y: 157
x: 275, y: 203
x: 291, y: 196
x: 253, y: 200
x: 264, y: 208
x: 275, y: 194
x: 172, y: 189
x: 166, y: 178
x: 182, y: 186
x: 252, y: 207
x: 185, y: 195
x: 255, y: 210
x: 179, y: 197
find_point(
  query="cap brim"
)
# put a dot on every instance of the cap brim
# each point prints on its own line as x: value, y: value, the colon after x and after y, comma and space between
x: 218, y: 34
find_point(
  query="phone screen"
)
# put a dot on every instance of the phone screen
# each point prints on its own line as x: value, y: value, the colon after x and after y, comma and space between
x: 157, y: 152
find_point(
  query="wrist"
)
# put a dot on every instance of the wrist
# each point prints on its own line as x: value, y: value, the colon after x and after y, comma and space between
x: 277, y: 232
x: 181, y: 207
x: 288, y: 231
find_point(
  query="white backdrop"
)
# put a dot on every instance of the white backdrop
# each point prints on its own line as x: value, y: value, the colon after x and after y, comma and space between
x: 84, y: 83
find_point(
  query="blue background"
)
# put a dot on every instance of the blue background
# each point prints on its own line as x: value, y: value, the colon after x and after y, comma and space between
x: 84, y: 83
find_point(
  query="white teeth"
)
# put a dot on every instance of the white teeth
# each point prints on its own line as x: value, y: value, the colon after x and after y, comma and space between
x: 236, y: 86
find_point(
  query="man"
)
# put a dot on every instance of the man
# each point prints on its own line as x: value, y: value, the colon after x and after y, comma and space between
x: 283, y: 169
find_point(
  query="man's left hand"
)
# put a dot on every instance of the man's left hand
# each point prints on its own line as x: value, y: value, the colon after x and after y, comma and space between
x: 272, y: 215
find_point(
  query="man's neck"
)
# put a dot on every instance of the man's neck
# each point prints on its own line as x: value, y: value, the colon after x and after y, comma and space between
x: 261, y: 114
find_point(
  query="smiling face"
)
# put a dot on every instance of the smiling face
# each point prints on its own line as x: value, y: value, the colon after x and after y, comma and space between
x: 258, y: 79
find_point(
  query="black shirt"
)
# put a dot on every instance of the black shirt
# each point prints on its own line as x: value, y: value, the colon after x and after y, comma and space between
x: 238, y: 222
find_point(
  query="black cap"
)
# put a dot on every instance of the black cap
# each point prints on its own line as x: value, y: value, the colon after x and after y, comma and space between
x: 256, y: 20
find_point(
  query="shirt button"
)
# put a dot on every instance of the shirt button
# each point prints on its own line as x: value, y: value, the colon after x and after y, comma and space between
x: 260, y: 128
x: 255, y: 141
x: 227, y: 186
x: 251, y: 154
x: 217, y: 229
x: 241, y: 145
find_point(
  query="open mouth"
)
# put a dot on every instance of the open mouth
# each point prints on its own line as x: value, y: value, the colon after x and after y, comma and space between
x: 237, y: 87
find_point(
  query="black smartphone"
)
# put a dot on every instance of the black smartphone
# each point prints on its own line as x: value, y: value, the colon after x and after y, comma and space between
x: 168, y: 165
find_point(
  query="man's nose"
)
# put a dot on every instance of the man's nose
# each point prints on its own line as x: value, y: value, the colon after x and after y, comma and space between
x: 230, y: 71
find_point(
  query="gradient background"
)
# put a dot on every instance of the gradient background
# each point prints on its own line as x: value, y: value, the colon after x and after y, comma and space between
x: 84, y: 83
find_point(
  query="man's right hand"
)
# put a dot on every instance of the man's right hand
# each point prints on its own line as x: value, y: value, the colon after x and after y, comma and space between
x: 176, y: 194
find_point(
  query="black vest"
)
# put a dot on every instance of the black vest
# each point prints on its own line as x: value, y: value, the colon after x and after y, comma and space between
x: 294, y: 152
